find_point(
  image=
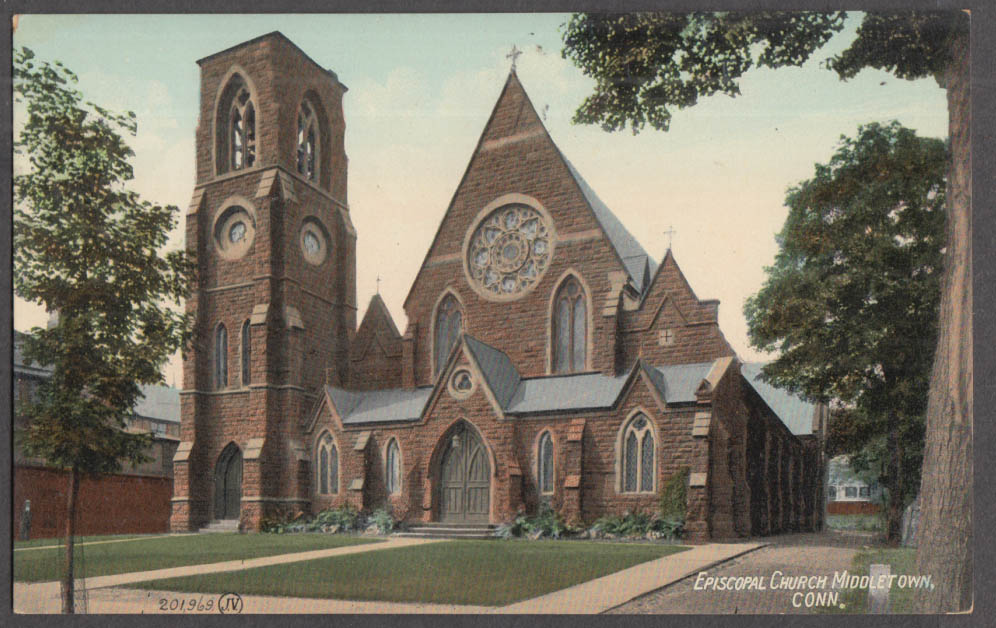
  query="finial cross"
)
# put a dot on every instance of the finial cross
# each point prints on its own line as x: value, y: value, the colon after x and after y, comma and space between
x: 514, y: 55
x: 669, y: 233
x: 378, y: 284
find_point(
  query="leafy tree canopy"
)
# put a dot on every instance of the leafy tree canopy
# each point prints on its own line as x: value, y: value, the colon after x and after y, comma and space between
x: 851, y: 304
x: 88, y: 249
x: 647, y: 64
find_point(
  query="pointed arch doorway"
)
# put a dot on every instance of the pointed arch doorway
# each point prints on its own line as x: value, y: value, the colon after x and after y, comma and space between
x: 464, y: 478
x: 228, y: 483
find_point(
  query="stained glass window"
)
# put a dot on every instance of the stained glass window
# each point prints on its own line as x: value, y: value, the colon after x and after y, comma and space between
x: 639, y: 456
x: 570, y: 328
x: 449, y: 322
x: 546, y: 463
x: 221, y: 357
x: 246, y: 354
x: 328, y: 466
x: 393, y: 470
x: 509, y: 251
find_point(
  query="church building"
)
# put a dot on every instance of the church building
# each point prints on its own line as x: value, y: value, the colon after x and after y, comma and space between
x: 546, y: 357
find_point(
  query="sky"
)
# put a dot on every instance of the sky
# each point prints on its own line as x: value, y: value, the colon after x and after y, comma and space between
x: 421, y: 88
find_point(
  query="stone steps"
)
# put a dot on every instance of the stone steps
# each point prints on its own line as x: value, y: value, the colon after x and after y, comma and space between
x: 223, y: 525
x: 438, y: 530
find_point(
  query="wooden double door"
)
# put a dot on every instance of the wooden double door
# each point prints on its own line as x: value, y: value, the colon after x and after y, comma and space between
x: 228, y: 483
x: 465, y: 479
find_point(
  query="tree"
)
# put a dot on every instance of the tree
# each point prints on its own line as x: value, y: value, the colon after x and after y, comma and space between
x: 857, y: 280
x: 88, y: 249
x: 645, y: 64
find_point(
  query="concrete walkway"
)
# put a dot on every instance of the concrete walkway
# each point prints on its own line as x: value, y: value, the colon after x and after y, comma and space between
x: 595, y: 596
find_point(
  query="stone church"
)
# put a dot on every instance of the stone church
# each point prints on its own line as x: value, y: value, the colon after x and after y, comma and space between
x: 546, y: 358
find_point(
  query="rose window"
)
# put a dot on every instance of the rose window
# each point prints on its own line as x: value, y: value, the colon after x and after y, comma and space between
x: 509, y: 251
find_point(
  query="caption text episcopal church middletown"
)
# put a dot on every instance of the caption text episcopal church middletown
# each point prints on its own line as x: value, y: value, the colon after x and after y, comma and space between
x: 547, y: 357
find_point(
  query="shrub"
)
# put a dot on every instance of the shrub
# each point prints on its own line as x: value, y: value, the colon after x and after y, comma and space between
x: 674, y: 496
x: 346, y: 517
x: 383, y: 519
x: 546, y: 523
x: 638, y: 525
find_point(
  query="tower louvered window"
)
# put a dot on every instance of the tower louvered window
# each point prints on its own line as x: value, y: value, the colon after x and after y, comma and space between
x: 242, y: 131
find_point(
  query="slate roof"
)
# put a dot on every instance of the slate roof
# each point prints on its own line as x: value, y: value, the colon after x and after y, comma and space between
x: 503, y: 378
x: 795, y: 413
x: 680, y: 381
x: 640, y: 266
x: 379, y: 406
x: 586, y: 391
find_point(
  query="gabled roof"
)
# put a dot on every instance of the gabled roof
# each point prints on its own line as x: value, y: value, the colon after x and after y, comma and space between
x: 640, y: 266
x: 677, y: 383
x: 584, y: 391
x: 795, y: 412
x: 501, y: 375
x: 379, y: 406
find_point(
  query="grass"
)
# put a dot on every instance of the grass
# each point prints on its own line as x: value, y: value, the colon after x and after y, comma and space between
x: 867, y: 523
x: 56, y: 542
x: 169, y: 551
x: 488, y: 573
x: 901, y: 561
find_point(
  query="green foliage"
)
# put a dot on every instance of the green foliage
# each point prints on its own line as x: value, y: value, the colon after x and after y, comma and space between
x: 86, y: 247
x: 546, y: 523
x: 342, y: 519
x: 852, y: 302
x: 645, y: 64
x: 383, y: 519
x: 638, y: 525
x: 674, y: 496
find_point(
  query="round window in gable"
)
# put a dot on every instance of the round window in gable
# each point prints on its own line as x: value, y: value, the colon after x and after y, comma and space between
x: 461, y: 384
x: 234, y: 232
x: 508, y: 250
x: 314, y: 242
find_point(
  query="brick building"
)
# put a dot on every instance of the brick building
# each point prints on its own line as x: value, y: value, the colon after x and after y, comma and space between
x: 546, y: 357
x: 135, y: 500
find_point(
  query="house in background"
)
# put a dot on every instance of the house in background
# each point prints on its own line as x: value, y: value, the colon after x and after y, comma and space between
x: 848, y: 493
x: 136, y: 500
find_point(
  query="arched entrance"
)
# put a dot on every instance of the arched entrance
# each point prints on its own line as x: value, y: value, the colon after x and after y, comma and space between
x: 228, y: 483
x: 464, y: 478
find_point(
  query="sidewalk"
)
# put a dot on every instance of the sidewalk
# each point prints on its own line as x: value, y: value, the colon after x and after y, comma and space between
x: 594, y: 596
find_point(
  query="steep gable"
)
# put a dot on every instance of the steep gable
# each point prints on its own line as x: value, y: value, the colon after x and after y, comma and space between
x: 376, y: 350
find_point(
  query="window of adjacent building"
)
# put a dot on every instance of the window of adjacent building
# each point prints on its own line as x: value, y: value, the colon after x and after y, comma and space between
x: 246, y: 354
x: 545, y: 463
x: 832, y: 493
x: 221, y: 357
x: 393, y: 468
x: 638, y: 455
x: 449, y: 322
x: 850, y: 491
x: 307, y: 142
x: 242, y: 131
x: 328, y: 466
x: 863, y: 491
x: 570, y: 318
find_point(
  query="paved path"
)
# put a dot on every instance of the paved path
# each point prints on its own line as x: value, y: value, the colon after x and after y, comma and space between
x: 137, y: 538
x: 792, y: 555
x: 595, y: 596
x: 43, y: 597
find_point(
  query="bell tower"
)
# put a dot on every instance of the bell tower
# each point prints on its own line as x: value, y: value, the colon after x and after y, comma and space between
x: 274, y: 305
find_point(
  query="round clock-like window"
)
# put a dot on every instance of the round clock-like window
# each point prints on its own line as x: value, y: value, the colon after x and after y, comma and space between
x: 234, y: 231
x: 314, y: 242
x: 509, y: 251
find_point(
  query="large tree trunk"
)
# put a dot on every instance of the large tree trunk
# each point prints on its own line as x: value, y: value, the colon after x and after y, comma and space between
x: 68, y: 589
x: 945, y: 533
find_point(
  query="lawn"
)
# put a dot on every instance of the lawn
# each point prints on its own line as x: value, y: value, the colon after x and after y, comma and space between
x: 169, y: 551
x: 901, y: 561
x: 80, y: 539
x: 488, y: 573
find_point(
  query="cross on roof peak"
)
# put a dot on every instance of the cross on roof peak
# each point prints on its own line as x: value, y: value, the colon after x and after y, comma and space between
x: 514, y: 56
x: 669, y: 233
